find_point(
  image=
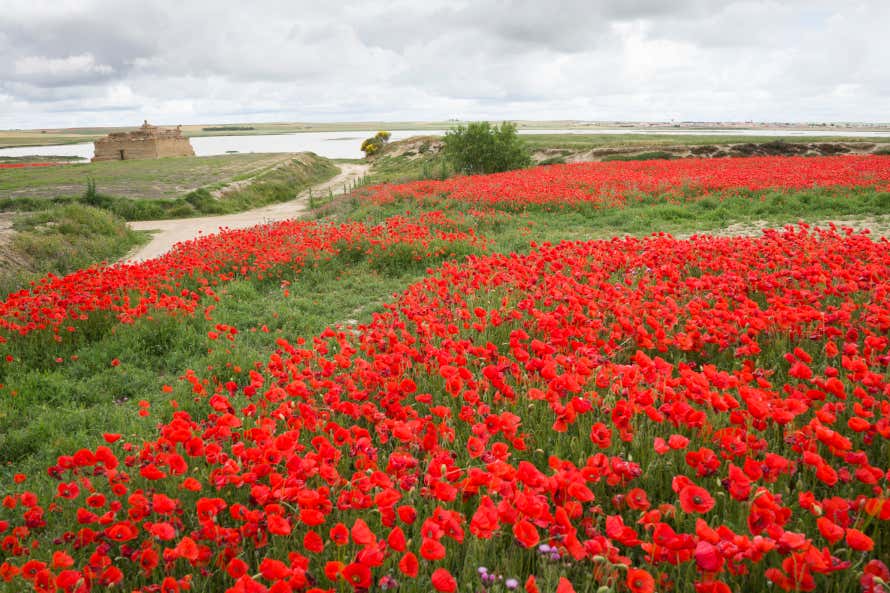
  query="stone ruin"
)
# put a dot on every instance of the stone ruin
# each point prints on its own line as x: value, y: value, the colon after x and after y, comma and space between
x: 148, y: 142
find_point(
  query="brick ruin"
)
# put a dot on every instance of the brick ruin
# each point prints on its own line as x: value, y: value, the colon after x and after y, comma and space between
x: 148, y: 142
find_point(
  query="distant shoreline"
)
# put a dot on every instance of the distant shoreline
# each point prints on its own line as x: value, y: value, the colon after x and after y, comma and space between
x: 20, y: 138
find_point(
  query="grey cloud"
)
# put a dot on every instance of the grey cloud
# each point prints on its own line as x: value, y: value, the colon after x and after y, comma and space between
x: 201, y: 61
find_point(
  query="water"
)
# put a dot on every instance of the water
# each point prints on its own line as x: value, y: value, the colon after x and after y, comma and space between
x: 347, y: 145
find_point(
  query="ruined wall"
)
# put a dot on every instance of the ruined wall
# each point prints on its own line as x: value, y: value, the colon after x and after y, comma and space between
x: 148, y: 142
x: 110, y: 150
x: 174, y: 147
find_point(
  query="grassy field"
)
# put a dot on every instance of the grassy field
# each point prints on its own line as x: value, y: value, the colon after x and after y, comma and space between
x: 397, y: 169
x: 142, y: 179
x: 60, y: 240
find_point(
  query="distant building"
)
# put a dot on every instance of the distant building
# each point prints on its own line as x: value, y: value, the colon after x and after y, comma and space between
x: 148, y: 142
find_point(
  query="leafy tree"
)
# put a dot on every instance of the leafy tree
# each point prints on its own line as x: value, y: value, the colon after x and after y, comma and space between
x: 373, y: 144
x: 480, y: 147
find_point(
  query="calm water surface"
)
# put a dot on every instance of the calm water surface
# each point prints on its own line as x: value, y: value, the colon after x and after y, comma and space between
x: 347, y: 145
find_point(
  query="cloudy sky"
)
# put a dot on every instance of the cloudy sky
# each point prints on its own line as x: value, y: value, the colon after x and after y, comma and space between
x: 98, y: 62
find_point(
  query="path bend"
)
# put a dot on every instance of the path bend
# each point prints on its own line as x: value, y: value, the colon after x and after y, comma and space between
x: 172, y: 231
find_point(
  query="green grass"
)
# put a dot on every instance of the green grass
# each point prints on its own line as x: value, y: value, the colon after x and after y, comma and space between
x: 70, y: 403
x: 61, y: 240
x: 513, y: 231
x: 138, y: 179
x: 279, y: 178
x: 32, y: 159
x: 402, y: 168
x: 713, y: 213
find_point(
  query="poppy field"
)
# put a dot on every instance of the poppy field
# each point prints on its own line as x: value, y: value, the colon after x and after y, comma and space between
x: 610, y: 184
x: 631, y: 414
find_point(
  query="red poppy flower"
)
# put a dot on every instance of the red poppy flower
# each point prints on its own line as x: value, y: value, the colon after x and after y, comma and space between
x: 362, y: 534
x: 564, y: 586
x: 236, y: 568
x: 409, y: 565
x: 333, y: 569
x: 62, y: 560
x: 832, y: 532
x: 639, y: 581
x: 312, y: 542
x: 859, y: 541
x: 278, y: 525
x: 431, y: 549
x: 274, y: 570
x: 396, y: 539
x: 708, y: 557
x: 443, y: 581
x: 694, y: 499
x: 358, y: 575
x: 170, y: 585
x: 526, y: 534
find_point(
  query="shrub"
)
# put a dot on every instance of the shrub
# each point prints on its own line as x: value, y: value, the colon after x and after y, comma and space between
x: 480, y: 147
x: 374, y: 144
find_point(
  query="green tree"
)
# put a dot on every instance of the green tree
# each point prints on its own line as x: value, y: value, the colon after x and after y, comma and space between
x: 480, y: 147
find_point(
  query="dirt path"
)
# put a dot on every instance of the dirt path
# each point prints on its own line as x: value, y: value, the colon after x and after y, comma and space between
x: 7, y: 256
x: 170, y: 232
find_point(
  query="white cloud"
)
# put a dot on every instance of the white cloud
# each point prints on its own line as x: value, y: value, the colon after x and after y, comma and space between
x: 72, y: 67
x: 117, y: 61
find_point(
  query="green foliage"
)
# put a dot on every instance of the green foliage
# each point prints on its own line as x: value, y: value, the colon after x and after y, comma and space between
x: 375, y: 143
x: 90, y: 193
x: 399, y: 168
x: 63, y: 239
x: 480, y: 147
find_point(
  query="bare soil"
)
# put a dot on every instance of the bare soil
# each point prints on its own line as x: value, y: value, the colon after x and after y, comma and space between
x: 7, y: 258
x: 411, y: 148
